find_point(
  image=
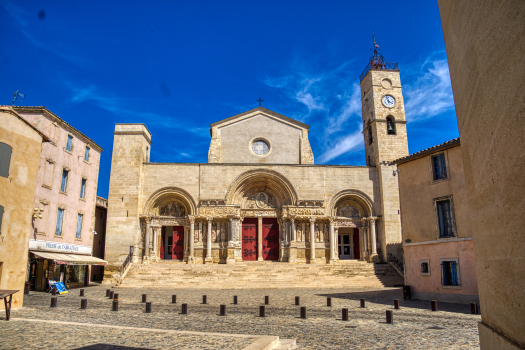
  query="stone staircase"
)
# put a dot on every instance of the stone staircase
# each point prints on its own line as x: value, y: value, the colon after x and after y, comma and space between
x: 350, y: 273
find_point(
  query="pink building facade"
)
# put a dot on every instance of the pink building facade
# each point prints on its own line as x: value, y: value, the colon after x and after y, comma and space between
x: 438, y: 248
x: 65, y: 195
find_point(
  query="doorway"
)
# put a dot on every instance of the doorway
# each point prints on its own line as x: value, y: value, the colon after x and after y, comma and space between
x: 348, y: 244
x: 270, y: 239
x: 249, y: 239
x: 172, y: 243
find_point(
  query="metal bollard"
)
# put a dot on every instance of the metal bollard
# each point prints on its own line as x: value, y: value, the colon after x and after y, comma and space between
x: 328, y: 301
x: 362, y: 302
x: 204, y: 299
x: 115, y: 297
x: 266, y: 300
x: 54, y: 302
x: 54, y: 291
x: 345, y: 314
x: 235, y: 300
x: 107, y: 292
x: 174, y: 299
x: 83, y: 304
x: 184, y: 309
x: 474, y: 308
x: 296, y: 300
x: 262, y: 311
x: 389, y: 316
x: 396, y: 303
x: 115, y: 305
x: 111, y: 294
x: 222, y: 310
x: 82, y: 292
x: 144, y: 297
x: 434, y: 305
x: 303, y: 311
x: 148, y: 307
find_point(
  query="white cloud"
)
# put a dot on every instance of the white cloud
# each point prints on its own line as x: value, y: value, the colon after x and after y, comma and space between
x: 430, y: 92
x: 343, y: 145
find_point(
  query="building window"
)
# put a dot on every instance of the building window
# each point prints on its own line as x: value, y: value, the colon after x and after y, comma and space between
x: 63, y: 184
x: 370, y: 137
x: 425, y: 267
x: 445, y: 218
x: 5, y: 159
x: 86, y: 154
x: 390, y: 126
x: 83, y: 189
x: 439, y: 167
x: 69, y: 144
x: 450, y: 272
x: 80, y: 217
x: 1, y: 216
x: 60, y: 221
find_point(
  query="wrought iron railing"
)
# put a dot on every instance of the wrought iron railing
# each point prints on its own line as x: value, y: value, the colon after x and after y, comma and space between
x: 395, y: 261
x: 127, y: 263
x: 380, y: 63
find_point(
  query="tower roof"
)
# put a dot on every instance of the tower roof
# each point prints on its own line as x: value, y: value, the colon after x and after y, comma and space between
x: 378, y: 61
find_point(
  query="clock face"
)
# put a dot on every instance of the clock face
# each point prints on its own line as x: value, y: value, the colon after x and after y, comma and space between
x: 389, y: 101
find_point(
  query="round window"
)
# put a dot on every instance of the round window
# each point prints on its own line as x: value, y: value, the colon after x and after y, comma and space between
x: 260, y: 147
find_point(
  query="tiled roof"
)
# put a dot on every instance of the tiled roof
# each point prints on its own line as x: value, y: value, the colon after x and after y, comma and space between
x: 425, y: 152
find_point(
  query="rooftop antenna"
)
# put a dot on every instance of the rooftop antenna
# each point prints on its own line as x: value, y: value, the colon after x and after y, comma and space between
x: 16, y: 96
x: 376, y: 47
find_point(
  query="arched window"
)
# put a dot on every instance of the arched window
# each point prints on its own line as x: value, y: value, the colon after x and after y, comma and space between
x: 390, y: 126
x: 370, y: 137
x: 5, y: 159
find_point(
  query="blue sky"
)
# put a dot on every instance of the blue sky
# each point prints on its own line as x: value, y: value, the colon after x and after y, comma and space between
x: 179, y: 66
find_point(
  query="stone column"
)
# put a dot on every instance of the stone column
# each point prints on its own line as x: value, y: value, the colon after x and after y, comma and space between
x: 281, y: 238
x: 332, y: 242
x: 259, y: 239
x: 292, y: 231
x: 147, y: 251
x: 373, y: 256
x: 352, y: 244
x: 362, y: 247
x: 312, y: 240
x: 208, y: 259
x: 191, y: 256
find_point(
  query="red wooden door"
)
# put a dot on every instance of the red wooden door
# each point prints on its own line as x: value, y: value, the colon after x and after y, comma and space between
x: 270, y: 239
x: 356, y: 244
x: 178, y: 242
x: 162, y: 238
x: 249, y: 239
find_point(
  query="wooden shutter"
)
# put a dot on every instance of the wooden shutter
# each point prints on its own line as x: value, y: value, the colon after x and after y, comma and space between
x: 1, y: 215
x: 5, y: 159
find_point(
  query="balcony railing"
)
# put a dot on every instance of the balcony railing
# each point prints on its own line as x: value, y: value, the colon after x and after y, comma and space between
x: 378, y: 63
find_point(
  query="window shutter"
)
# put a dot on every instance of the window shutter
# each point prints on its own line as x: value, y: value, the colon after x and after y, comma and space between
x: 79, y: 225
x: 69, y: 142
x: 60, y: 218
x: 443, y: 166
x: 435, y: 165
x: 5, y: 159
x: 454, y: 273
x: 441, y: 219
x: 1, y: 216
x: 86, y: 154
x: 64, y: 181
x: 443, y: 273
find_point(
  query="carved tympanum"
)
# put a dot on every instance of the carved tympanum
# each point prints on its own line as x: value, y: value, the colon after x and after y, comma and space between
x: 262, y: 200
x: 348, y: 211
x: 172, y: 209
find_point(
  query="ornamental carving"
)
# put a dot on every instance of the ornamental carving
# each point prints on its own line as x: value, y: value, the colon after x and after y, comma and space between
x: 325, y: 233
x: 172, y: 209
x: 218, y: 211
x: 348, y: 211
x: 347, y: 223
x: 256, y: 213
x: 261, y: 200
x: 159, y: 222
x: 304, y: 211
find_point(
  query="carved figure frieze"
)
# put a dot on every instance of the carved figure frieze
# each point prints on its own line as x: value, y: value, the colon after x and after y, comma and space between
x: 303, y: 211
x: 172, y: 209
x: 218, y: 211
x: 348, y: 223
x: 326, y: 234
x: 261, y: 200
x: 263, y: 213
x: 214, y: 232
x: 317, y: 233
x: 224, y: 232
x: 300, y: 233
x: 348, y: 211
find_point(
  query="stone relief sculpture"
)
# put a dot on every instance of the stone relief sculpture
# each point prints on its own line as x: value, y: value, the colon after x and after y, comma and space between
x: 214, y: 233
x: 224, y: 232
x: 262, y: 200
x: 172, y: 209
x: 326, y: 233
x: 204, y: 231
x: 317, y: 233
x: 300, y: 233
x: 348, y: 211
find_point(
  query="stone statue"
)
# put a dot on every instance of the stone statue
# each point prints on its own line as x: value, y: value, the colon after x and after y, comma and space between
x: 348, y: 211
x: 172, y: 209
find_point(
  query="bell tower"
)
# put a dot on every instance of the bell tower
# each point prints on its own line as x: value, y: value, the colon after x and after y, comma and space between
x: 383, y: 111
x: 384, y: 131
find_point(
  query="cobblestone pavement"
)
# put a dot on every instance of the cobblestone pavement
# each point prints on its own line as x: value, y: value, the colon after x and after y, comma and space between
x: 414, y: 327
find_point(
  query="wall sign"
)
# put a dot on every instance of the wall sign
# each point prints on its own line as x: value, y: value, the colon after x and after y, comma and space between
x: 59, y: 247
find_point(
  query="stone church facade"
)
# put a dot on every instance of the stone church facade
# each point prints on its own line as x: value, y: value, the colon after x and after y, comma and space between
x: 260, y: 196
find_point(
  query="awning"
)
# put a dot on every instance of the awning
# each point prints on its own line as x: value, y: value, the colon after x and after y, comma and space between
x: 71, y: 259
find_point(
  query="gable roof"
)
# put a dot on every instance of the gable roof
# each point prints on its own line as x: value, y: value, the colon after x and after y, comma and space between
x: 443, y: 146
x: 9, y: 110
x: 263, y: 111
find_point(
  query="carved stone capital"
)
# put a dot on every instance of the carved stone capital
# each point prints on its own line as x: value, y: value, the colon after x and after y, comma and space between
x: 372, y: 219
x: 191, y: 218
x: 209, y: 218
x: 311, y: 219
x: 331, y: 219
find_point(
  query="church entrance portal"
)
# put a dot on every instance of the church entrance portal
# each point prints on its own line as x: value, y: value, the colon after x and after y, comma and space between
x: 249, y: 239
x: 348, y: 245
x: 172, y: 243
x: 270, y: 239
